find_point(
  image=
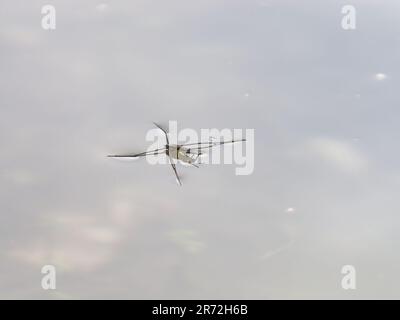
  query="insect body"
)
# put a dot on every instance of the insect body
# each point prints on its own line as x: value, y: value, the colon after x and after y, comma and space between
x: 185, y: 153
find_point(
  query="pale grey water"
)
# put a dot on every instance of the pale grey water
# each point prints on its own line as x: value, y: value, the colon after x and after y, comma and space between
x: 326, y: 145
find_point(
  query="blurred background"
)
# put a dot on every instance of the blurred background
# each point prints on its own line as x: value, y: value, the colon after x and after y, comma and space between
x: 323, y: 102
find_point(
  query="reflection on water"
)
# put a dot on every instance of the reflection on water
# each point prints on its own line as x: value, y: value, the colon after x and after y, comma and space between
x: 324, y: 105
